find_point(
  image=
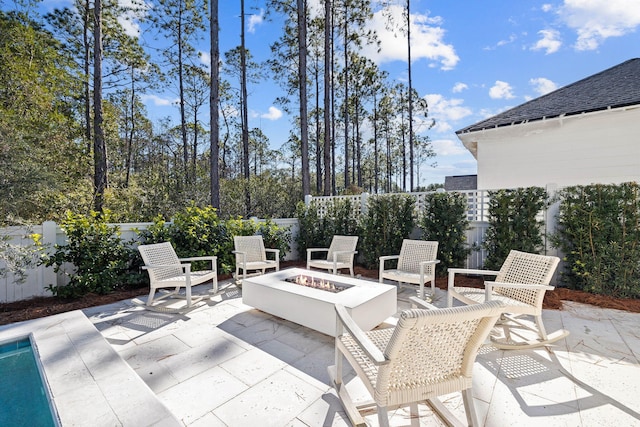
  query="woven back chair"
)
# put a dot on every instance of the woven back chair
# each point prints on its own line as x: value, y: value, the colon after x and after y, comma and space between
x: 340, y: 254
x: 520, y: 284
x: 166, y: 270
x: 429, y: 353
x: 416, y: 264
x: 251, y: 255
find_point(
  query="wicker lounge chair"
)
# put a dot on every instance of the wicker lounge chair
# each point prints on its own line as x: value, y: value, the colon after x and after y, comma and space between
x: 416, y: 264
x: 166, y: 270
x: 520, y: 284
x: 429, y: 353
x: 340, y: 254
x: 251, y: 255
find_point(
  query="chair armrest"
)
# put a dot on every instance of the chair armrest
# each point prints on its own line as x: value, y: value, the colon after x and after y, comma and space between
x: 387, y: 257
x: 423, y: 264
x: 312, y: 250
x: 242, y: 254
x: 150, y: 266
x: 211, y: 258
x: 199, y: 258
x: 317, y: 249
x: 276, y: 252
x: 373, y: 352
x: 415, y: 301
x: 383, y: 259
x: 454, y: 271
x: 185, y: 267
x: 472, y: 271
x: 489, y: 284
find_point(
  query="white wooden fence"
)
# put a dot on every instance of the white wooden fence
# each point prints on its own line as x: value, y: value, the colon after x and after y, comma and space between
x: 39, y: 278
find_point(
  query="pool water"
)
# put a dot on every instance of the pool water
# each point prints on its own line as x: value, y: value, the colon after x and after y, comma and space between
x: 23, y: 398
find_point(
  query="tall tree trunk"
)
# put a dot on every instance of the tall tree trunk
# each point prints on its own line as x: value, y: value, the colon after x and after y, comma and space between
x: 183, y: 119
x: 99, y: 146
x: 245, y: 118
x: 333, y: 109
x: 375, y: 144
x: 358, y: 142
x: 85, y: 83
x: 347, y: 179
x: 411, y: 138
x: 214, y: 101
x: 302, y: 74
x: 328, y: 84
x: 318, y: 129
x: 132, y: 127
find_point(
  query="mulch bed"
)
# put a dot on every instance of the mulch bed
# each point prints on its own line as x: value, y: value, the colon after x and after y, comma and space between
x: 46, y: 306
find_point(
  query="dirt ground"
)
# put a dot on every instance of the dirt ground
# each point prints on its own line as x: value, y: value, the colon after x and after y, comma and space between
x: 41, y: 306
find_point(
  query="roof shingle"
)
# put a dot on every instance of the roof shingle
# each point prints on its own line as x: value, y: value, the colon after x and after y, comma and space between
x: 618, y: 86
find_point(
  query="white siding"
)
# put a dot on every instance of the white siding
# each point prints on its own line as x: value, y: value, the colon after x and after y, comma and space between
x: 601, y: 147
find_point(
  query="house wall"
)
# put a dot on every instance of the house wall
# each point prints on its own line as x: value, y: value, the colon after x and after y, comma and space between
x: 600, y: 147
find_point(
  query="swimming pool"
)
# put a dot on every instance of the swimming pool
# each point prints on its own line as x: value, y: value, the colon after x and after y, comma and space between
x: 24, y: 397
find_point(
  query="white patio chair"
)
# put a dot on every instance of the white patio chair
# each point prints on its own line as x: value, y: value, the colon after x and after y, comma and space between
x: 520, y: 284
x: 251, y: 255
x: 429, y: 353
x: 166, y: 270
x: 416, y: 264
x: 340, y: 254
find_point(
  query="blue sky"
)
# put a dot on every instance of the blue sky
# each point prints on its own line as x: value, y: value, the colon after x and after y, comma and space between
x: 471, y: 60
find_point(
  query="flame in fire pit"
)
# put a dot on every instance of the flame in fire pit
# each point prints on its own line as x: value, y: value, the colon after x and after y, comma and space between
x: 317, y: 283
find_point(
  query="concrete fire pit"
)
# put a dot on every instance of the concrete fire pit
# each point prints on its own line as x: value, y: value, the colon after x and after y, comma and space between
x: 369, y: 303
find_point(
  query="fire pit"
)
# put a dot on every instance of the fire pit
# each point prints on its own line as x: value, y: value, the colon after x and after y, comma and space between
x: 318, y: 283
x: 369, y: 303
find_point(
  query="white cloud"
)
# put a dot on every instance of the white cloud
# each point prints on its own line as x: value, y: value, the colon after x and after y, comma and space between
x: 273, y: 114
x: 501, y: 90
x: 547, y: 7
x: 542, y: 86
x: 596, y: 20
x: 205, y: 58
x: 133, y: 13
x: 444, y: 110
x: 459, y: 87
x: 255, y: 20
x: 427, y: 40
x: 448, y: 147
x: 156, y: 100
x: 549, y: 41
x: 512, y: 38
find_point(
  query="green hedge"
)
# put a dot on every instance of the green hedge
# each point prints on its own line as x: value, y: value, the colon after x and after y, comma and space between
x: 444, y: 220
x: 389, y: 220
x: 599, y: 233
x: 513, y: 223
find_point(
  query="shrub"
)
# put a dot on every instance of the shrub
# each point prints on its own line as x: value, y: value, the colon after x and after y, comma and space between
x: 102, y: 261
x: 199, y: 231
x: 389, y: 220
x: 513, y: 223
x: 316, y: 232
x: 599, y: 233
x: 444, y: 220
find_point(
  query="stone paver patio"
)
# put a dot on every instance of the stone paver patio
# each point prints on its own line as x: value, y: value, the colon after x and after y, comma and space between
x: 227, y: 364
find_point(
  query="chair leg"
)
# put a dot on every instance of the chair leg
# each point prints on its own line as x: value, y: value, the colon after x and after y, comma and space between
x: 187, y: 291
x: 152, y: 294
x: 414, y: 413
x: 383, y: 416
x: 541, y: 330
x: 469, y: 408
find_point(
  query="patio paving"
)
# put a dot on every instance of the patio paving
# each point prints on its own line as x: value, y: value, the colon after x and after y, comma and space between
x: 227, y: 364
